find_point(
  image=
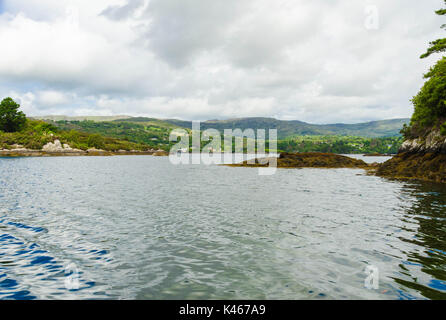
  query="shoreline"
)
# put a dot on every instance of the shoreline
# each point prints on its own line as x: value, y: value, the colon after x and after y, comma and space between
x: 78, y: 153
x: 403, y: 166
x: 57, y: 149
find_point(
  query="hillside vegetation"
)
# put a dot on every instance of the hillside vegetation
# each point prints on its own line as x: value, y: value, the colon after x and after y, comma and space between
x: 341, y: 144
x: 285, y: 129
x: 36, y: 133
x: 16, y: 131
x: 150, y: 132
x: 155, y: 133
x: 374, y: 129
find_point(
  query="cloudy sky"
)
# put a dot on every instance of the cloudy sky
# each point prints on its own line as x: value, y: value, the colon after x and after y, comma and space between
x: 320, y: 61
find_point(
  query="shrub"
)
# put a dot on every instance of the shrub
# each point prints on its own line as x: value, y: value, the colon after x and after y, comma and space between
x: 96, y: 141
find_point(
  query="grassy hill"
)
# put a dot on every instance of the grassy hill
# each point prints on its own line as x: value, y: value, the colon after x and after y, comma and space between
x: 374, y: 129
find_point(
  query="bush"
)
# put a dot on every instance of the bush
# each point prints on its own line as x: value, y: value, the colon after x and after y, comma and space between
x: 96, y: 141
x: 45, y: 128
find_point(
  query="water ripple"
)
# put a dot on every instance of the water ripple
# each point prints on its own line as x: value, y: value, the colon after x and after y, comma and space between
x: 138, y: 227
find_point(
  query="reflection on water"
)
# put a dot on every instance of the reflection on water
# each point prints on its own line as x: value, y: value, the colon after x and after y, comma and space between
x: 425, y: 269
x: 139, y: 227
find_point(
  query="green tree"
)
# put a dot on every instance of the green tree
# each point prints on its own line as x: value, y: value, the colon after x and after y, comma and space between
x: 430, y: 102
x: 11, y: 119
x: 438, y: 45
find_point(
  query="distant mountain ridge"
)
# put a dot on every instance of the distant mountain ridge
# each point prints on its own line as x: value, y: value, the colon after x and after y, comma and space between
x: 285, y: 128
x: 288, y: 128
x: 81, y: 118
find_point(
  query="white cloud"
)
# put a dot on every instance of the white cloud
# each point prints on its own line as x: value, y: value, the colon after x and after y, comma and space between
x: 292, y: 59
x: 53, y: 98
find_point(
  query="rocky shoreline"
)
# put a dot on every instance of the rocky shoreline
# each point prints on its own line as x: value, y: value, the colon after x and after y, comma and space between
x: 420, y: 159
x: 57, y: 149
x: 417, y: 159
x: 407, y: 164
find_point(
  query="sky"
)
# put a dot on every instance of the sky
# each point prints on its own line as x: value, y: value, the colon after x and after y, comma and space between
x: 317, y: 61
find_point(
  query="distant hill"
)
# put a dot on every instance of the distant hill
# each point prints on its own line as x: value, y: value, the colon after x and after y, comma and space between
x: 148, y: 122
x: 294, y: 136
x: 81, y: 118
x: 374, y: 129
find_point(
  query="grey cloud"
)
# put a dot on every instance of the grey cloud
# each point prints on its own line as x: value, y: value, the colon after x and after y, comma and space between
x: 181, y: 30
x: 122, y: 12
x: 308, y: 60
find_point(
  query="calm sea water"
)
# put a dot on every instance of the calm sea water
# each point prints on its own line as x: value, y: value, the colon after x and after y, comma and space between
x: 137, y: 227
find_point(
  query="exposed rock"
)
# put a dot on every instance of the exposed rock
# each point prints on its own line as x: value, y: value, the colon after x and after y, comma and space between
x: 21, y: 153
x: 421, y: 159
x: 434, y: 142
x: 98, y: 152
x: 161, y: 153
x: 57, y: 147
x: 415, y: 165
x: 20, y: 149
x: 309, y: 160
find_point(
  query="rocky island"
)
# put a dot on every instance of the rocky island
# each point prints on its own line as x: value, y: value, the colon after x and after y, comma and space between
x: 309, y: 160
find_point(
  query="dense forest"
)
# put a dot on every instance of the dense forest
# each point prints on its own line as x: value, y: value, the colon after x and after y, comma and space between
x: 341, y: 144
